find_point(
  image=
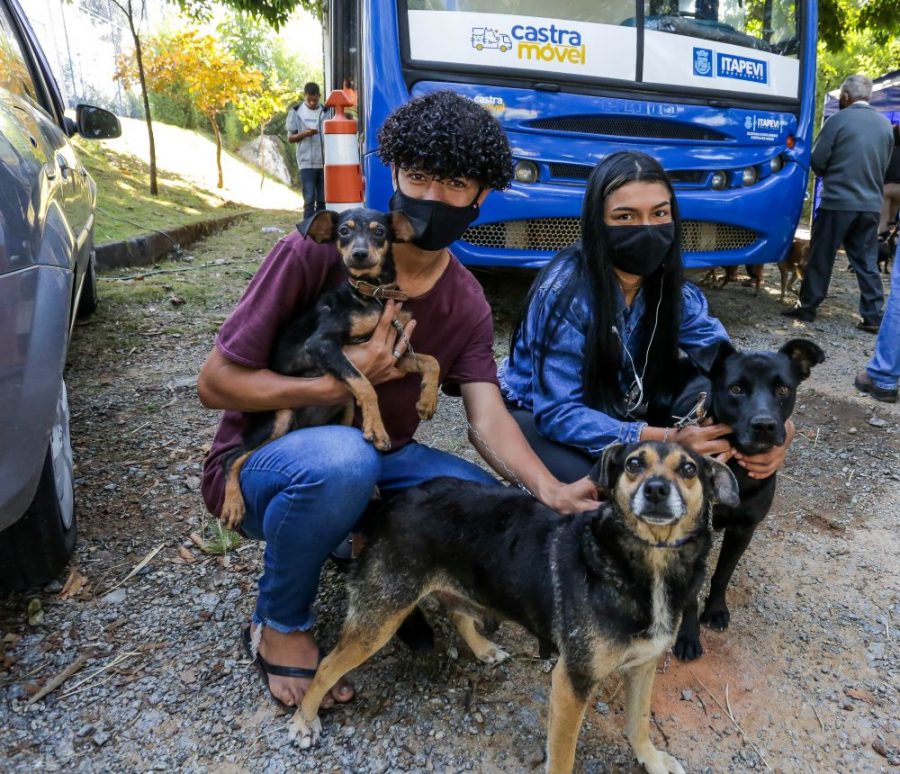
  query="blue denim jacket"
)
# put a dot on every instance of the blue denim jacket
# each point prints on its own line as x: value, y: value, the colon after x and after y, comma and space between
x: 559, y: 409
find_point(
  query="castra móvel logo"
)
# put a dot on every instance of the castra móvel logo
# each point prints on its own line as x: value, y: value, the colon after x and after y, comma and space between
x: 540, y: 44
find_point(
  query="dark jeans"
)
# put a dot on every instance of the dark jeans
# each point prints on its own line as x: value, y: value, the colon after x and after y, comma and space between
x: 858, y: 232
x: 312, y: 184
x: 567, y: 463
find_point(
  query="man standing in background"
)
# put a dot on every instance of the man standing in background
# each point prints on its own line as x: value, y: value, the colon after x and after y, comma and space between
x: 304, y: 127
x: 851, y: 155
x: 891, y: 188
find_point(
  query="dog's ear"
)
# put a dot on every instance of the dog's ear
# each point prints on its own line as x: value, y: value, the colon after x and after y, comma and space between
x: 804, y: 355
x: 320, y: 226
x: 724, y: 484
x: 707, y: 358
x: 404, y: 227
x: 602, y: 472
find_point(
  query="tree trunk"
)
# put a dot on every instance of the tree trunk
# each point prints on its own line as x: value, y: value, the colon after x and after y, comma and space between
x: 154, y: 190
x: 259, y: 156
x: 215, y: 126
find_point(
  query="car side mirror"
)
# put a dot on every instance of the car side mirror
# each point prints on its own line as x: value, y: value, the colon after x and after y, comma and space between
x: 96, y: 123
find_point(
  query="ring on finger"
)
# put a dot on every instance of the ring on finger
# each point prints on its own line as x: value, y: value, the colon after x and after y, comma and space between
x: 397, y: 354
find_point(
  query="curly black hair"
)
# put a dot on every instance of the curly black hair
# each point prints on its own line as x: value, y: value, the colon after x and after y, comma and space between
x: 447, y: 135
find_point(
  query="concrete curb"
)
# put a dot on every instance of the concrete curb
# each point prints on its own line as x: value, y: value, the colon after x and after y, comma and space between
x: 146, y: 249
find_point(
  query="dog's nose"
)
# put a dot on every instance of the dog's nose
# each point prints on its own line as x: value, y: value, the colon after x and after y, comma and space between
x: 360, y: 255
x: 763, y: 426
x: 656, y: 490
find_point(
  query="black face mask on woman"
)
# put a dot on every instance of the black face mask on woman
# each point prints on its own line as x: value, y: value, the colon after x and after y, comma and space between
x: 640, y: 250
x: 442, y: 223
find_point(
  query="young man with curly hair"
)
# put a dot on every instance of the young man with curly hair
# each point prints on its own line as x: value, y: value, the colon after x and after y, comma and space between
x: 305, y: 492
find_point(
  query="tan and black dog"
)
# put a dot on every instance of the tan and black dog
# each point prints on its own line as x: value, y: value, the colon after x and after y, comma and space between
x: 606, y: 588
x: 793, y: 267
x: 312, y: 343
x: 755, y: 276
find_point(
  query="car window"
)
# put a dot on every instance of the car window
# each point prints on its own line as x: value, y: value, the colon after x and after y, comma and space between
x: 15, y: 75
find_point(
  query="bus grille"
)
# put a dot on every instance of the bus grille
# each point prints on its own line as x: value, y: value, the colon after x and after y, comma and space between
x: 553, y: 234
x: 625, y: 126
x: 559, y: 169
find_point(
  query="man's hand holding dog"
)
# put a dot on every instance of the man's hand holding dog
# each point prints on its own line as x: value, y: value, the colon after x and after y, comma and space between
x: 577, y: 497
x: 377, y: 358
x: 765, y: 464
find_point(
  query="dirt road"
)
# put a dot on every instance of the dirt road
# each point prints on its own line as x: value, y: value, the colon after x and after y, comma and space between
x: 806, y: 679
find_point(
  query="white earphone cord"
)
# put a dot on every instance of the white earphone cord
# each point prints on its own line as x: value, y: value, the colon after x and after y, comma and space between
x: 639, y: 380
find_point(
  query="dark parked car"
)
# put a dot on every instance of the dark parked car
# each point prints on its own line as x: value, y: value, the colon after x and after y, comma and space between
x: 47, y: 204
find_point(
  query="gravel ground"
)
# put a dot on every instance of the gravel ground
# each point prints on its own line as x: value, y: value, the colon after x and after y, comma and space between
x: 806, y: 678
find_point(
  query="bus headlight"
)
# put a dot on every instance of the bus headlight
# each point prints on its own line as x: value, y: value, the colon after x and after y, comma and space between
x: 749, y: 176
x: 776, y: 163
x: 526, y: 172
x: 719, y: 181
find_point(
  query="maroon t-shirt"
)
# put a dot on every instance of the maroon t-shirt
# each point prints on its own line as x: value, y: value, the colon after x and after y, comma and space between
x: 453, y: 324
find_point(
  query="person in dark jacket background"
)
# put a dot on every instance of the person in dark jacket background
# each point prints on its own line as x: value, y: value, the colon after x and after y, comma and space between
x: 851, y: 156
x: 891, y: 187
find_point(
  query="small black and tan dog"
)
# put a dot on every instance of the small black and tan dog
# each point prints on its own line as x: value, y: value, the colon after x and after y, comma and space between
x: 311, y: 344
x: 887, y: 246
x: 606, y: 588
x: 793, y: 267
x: 754, y: 393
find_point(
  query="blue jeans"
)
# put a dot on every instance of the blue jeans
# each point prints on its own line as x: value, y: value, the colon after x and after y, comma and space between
x: 884, y: 367
x: 312, y: 184
x: 306, y: 491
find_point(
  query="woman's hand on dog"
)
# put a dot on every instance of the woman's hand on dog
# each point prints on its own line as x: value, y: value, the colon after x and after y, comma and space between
x: 765, y: 464
x: 705, y: 439
x: 377, y: 358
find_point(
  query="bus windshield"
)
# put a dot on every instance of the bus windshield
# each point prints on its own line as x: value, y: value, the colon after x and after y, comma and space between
x: 719, y: 45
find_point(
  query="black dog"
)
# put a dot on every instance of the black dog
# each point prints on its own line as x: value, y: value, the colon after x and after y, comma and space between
x: 311, y: 344
x: 887, y: 246
x: 606, y: 588
x: 754, y: 393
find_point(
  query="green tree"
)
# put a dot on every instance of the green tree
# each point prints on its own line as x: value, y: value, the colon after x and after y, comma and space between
x: 839, y: 19
x: 249, y: 38
x: 274, y: 12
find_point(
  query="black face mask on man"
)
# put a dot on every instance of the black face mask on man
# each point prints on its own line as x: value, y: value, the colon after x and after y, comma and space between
x: 443, y: 223
x: 640, y: 250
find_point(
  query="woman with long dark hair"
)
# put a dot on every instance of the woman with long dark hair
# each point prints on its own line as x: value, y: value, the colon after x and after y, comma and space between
x: 603, y: 325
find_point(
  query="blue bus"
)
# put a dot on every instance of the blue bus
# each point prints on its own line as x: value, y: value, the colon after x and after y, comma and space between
x: 721, y: 92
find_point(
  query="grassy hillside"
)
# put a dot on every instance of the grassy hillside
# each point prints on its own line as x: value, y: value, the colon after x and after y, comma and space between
x: 125, y: 205
x: 186, y: 174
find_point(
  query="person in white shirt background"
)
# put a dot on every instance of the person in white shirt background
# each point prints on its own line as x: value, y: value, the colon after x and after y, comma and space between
x: 304, y: 128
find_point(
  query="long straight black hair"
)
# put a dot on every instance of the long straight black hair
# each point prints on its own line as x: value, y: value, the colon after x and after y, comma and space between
x: 592, y: 267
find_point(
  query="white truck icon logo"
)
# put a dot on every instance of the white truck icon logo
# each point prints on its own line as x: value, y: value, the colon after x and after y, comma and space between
x: 486, y: 37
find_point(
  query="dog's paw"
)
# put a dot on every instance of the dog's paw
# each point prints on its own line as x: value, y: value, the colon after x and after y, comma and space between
x: 659, y: 762
x: 232, y: 513
x: 382, y: 442
x: 716, y: 618
x: 304, y: 734
x: 377, y: 436
x: 687, y: 648
x: 492, y: 655
x: 426, y: 406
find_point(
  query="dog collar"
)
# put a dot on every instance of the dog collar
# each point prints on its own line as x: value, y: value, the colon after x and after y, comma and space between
x: 377, y: 292
x: 663, y: 543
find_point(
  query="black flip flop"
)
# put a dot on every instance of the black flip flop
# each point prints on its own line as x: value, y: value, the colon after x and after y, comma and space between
x: 266, y: 669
